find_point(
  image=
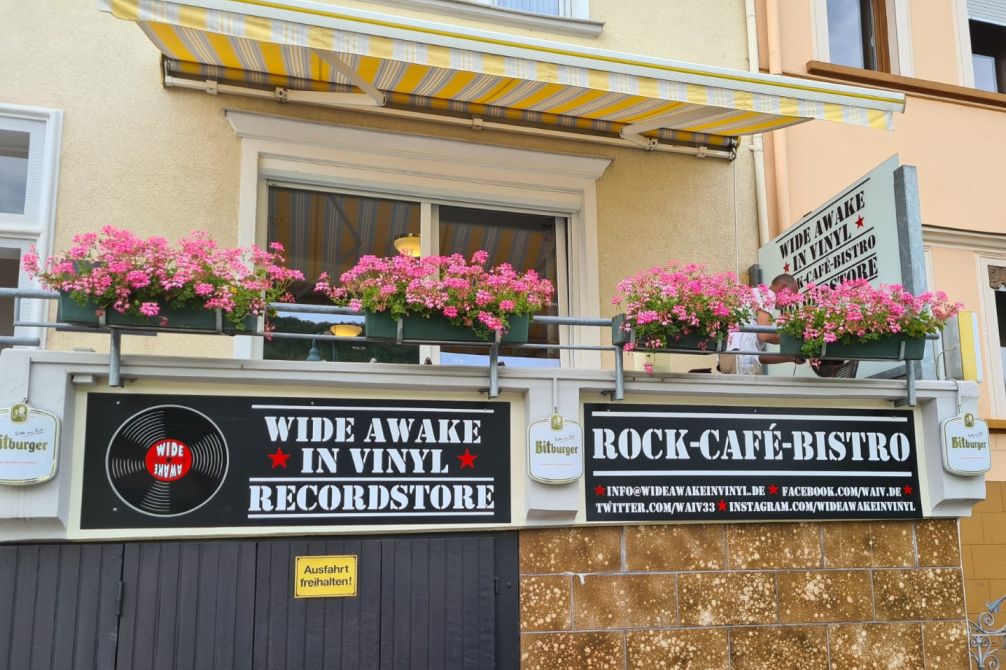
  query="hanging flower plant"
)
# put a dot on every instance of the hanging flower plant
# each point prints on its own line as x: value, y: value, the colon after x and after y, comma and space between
x: 856, y: 312
x: 466, y: 293
x: 683, y: 306
x: 117, y: 270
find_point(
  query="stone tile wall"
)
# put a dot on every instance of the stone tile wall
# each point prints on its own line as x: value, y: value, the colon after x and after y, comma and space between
x: 983, y: 546
x: 835, y: 596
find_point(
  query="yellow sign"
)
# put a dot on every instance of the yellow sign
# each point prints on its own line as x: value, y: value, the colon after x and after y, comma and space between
x: 324, y: 577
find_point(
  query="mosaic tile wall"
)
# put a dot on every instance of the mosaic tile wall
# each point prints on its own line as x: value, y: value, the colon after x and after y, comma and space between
x: 983, y: 540
x: 828, y: 596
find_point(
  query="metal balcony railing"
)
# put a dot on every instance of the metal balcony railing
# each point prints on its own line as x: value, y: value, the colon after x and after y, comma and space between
x: 618, y: 393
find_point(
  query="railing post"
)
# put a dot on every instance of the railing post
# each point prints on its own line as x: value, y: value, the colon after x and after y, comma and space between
x: 114, y: 358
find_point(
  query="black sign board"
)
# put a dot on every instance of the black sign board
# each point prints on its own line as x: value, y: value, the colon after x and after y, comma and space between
x: 694, y: 463
x: 153, y: 461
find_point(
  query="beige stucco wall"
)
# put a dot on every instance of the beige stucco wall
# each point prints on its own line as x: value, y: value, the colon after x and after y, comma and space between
x: 166, y: 161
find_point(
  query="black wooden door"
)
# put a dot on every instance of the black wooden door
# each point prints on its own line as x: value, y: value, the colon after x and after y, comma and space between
x: 424, y: 603
x: 58, y: 605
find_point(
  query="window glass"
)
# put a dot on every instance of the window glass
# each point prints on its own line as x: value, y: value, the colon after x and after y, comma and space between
x: 550, y: 7
x: 525, y: 241
x: 329, y: 232
x: 988, y: 47
x: 14, y: 146
x: 9, y: 272
x: 855, y: 34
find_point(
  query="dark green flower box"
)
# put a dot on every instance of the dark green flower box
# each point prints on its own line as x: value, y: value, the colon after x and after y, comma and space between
x: 886, y: 349
x: 185, y: 318
x: 437, y: 328
x: 685, y: 342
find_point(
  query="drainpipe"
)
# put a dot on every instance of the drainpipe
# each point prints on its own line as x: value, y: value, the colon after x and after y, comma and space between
x: 779, y: 136
x: 757, y: 142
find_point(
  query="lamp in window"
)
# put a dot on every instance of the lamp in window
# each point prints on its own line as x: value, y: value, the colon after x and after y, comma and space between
x: 346, y: 329
x: 407, y: 244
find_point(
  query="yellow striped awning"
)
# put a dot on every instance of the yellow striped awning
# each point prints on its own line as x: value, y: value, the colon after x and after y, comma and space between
x: 410, y: 63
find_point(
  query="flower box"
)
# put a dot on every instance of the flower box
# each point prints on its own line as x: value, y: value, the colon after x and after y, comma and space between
x: 437, y: 328
x: 184, y: 318
x: 885, y: 348
x: 678, y: 342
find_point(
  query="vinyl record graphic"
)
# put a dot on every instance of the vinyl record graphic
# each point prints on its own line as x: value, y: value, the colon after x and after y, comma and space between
x: 166, y: 460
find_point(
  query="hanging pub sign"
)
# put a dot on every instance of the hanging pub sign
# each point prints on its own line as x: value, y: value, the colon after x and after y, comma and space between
x: 697, y: 463
x: 206, y: 461
x: 29, y: 441
x: 966, y: 449
x: 555, y: 450
x: 854, y: 235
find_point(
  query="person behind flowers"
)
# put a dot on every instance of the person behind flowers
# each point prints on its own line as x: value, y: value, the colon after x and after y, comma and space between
x: 751, y: 363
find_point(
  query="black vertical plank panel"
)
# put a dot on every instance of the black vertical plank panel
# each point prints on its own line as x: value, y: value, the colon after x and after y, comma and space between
x: 436, y: 578
x: 507, y: 601
x: 487, y: 603
x: 8, y: 577
x: 469, y: 641
x: 316, y: 637
x: 68, y: 593
x: 173, y: 582
x: 419, y: 645
x: 198, y: 653
x: 245, y: 599
x: 454, y: 597
x: 24, y: 604
x: 297, y: 608
x: 387, y: 617
x: 278, y: 584
x: 263, y: 605
x: 109, y: 570
x: 340, y: 615
x: 141, y: 653
x: 402, y: 602
x: 44, y: 620
x: 367, y: 625
x: 130, y: 603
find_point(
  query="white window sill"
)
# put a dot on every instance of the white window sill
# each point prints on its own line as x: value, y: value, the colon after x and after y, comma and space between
x: 581, y: 27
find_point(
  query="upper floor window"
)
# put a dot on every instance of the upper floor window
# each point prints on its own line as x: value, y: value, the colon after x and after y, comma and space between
x: 566, y: 8
x: 857, y: 34
x: 988, y: 55
x: 29, y: 162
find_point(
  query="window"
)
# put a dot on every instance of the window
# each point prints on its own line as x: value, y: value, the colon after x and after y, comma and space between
x: 566, y: 8
x: 332, y: 193
x: 857, y: 34
x: 988, y: 55
x: 327, y: 231
x: 993, y: 278
x: 29, y: 162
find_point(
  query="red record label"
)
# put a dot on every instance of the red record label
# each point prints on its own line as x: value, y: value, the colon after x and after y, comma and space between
x: 168, y: 460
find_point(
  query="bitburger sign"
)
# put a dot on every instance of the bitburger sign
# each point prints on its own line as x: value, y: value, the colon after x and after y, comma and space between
x: 694, y: 463
x: 191, y: 461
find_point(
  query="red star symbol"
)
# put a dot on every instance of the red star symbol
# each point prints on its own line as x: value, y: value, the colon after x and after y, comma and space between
x: 907, y: 489
x: 467, y: 459
x: 599, y: 490
x: 859, y: 222
x: 773, y: 489
x: 279, y: 458
x: 722, y: 505
x: 785, y: 268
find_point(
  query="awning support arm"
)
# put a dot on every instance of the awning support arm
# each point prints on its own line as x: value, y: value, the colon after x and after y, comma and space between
x: 352, y: 75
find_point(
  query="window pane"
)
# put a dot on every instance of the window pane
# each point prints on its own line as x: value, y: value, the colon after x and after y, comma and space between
x: 845, y: 32
x: 13, y: 170
x: 550, y: 7
x: 10, y: 260
x: 329, y: 232
x: 985, y: 72
x: 527, y: 242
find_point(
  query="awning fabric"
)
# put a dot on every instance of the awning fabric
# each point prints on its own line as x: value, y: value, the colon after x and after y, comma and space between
x: 452, y: 70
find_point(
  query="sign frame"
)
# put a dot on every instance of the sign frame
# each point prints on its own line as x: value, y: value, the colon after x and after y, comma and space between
x: 554, y: 423
x: 350, y: 560
x: 22, y: 413
x: 968, y: 420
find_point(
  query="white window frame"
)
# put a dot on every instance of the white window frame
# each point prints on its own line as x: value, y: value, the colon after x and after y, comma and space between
x: 899, y: 24
x: 574, y: 18
x: 35, y: 226
x: 996, y: 380
x: 429, y: 169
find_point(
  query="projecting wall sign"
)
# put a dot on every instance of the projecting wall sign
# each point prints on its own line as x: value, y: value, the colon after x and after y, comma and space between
x: 691, y: 463
x: 966, y: 445
x: 154, y: 461
x: 29, y: 442
x: 555, y: 450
